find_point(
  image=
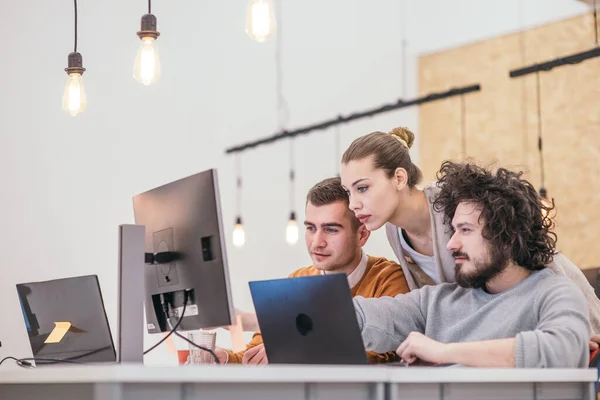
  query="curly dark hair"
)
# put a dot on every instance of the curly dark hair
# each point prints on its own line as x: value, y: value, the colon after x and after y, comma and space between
x: 515, y: 219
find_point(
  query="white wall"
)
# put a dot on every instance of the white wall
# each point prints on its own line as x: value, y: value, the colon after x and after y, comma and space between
x: 68, y: 182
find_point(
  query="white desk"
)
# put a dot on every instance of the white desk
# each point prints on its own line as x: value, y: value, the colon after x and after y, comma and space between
x: 131, y: 382
x: 483, y: 383
x: 194, y: 383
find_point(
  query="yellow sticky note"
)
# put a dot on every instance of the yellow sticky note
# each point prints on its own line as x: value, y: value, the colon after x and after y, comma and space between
x: 59, y: 331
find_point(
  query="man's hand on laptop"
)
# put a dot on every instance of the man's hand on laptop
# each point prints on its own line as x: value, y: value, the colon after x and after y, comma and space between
x: 255, y: 356
x: 419, y: 348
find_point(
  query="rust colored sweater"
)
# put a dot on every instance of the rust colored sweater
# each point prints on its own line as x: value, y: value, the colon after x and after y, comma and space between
x: 381, y: 278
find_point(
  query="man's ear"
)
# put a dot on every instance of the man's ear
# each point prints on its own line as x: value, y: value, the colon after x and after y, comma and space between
x: 363, y: 235
x: 400, y: 178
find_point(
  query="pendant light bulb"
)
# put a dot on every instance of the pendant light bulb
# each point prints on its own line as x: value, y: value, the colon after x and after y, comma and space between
x: 239, y: 235
x: 260, y: 21
x: 146, y: 69
x: 74, y: 101
x: 291, y: 231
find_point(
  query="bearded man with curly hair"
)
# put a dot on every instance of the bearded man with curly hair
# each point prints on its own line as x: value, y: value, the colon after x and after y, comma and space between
x: 506, y: 308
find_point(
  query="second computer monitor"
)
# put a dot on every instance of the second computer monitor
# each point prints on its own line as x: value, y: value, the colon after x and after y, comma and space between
x: 184, y: 236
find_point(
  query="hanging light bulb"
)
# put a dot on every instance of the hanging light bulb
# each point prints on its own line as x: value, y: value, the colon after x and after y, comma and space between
x: 260, y: 22
x: 239, y: 235
x: 147, y: 63
x: 74, y: 101
x: 291, y: 231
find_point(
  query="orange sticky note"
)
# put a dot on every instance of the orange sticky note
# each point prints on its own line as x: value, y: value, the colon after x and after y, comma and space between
x: 60, y: 330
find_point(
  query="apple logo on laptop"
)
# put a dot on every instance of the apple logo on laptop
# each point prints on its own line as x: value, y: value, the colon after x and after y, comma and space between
x: 304, y: 324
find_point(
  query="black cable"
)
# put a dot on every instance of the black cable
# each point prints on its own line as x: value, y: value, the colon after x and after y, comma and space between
x: 238, y: 197
x: 595, y: 23
x: 75, y: 46
x: 539, y: 118
x: 283, y: 112
x: 9, y: 358
x: 212, y: 353
x: 524, y: 114
x: 26, y: 362
x: 71, y: 360
x: 172, y: 330
x: 337, y: 158
x: 149, y: 7
x: 49, y: 361
x: 463, y: 126
x: 404, y: 46
x: 292, y: 176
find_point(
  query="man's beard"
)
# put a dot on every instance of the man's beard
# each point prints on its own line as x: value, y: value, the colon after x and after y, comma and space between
x: 484, y: 271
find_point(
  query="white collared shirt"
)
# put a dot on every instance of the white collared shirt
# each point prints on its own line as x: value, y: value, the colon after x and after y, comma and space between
x: 358, y: 272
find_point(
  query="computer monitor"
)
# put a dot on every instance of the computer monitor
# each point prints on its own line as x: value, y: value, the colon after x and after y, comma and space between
x: 183, y: 218
x: 66, y: 320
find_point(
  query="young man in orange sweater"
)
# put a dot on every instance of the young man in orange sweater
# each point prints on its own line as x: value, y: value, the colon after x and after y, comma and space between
x: 334, y: 240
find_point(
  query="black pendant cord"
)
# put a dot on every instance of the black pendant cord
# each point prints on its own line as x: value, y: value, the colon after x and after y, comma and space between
x: 238, y: 168
x: 463, y: 126
x: 404, y: 44
x: 75, y: 46
x: 524, y: 116
x: 282, y: 107
x: 539, y: 118
x: 595, y: 23
x: 337, y: 155
x: 149, y: 7
x: 292, y: 176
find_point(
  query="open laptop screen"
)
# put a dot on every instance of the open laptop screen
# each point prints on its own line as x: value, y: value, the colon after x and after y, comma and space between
x: 66, y: 320
x: 308, y: 320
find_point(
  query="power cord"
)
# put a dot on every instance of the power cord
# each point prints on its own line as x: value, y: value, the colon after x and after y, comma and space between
x: 167, y: 312
x: 173, y: 329
x: 212, y: 353
x: 26, y: 362
x: 12, y: 358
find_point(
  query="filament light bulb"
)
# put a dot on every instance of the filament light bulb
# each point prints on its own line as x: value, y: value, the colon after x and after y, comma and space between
x: 146, y: 69
x: 260, y: 22
x: 239, y: 235
x: 291, y: 231
x: 74, y: 101
x: 147, y: 63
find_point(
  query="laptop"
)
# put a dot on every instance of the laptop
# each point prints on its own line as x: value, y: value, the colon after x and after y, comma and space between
x: 308, y: 320
x: 66, y: 321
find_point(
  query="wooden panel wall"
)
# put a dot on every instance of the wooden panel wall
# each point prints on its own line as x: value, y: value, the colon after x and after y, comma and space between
x: 501, y: 120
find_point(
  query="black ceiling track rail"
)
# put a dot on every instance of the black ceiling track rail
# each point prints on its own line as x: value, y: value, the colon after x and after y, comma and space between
x: 548, y: 65
x: 340, y: 119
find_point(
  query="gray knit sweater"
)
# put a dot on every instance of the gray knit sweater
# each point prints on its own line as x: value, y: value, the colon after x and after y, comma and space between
x: 546, y: 313
x: 444, y: 261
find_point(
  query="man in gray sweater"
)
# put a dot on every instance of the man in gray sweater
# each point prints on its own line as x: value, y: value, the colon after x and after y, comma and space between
x: 506, y: 309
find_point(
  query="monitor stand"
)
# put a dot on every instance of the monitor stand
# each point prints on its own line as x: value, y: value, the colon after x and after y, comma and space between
x: 130, y: 330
